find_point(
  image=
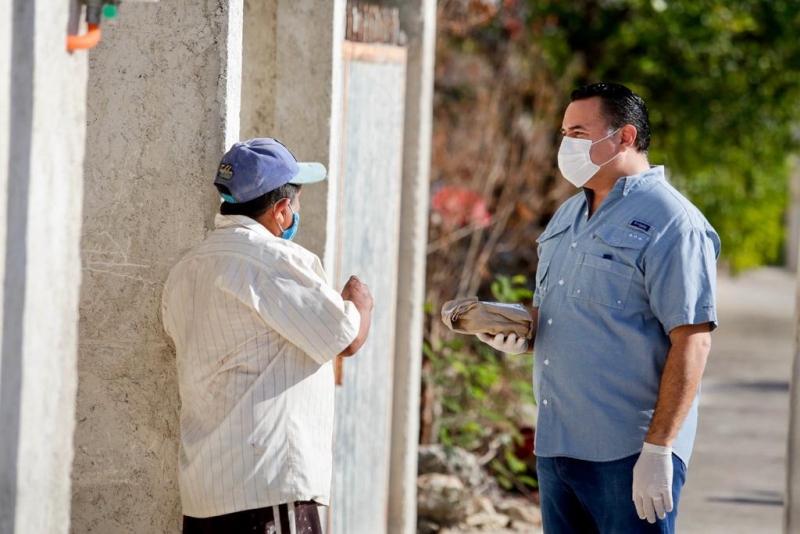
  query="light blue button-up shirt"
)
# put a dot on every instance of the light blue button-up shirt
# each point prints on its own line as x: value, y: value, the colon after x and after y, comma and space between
x: 609, y: 289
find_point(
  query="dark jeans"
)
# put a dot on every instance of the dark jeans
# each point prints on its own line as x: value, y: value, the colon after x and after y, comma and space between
x: 580, y: 497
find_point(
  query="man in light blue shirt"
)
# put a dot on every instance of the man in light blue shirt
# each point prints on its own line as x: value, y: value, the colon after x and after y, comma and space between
x: 625, y: 306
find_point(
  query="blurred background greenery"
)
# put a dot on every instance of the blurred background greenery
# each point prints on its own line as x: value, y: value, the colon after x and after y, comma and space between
x: 722, y: 81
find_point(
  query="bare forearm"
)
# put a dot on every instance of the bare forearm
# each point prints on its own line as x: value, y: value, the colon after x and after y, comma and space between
x: 363, y: 329
x: 680, y: 381
x: 358, y: 293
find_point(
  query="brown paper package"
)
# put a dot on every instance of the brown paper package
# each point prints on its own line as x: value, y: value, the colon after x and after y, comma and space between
x: 471, y: 316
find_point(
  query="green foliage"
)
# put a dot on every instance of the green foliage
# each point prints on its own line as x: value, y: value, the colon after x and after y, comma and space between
x: 511, y: 472
x: 511, y: 289
x: 748, y: 208
x: 485, y: 396
x: 722, y: 82
x: 480, y: 391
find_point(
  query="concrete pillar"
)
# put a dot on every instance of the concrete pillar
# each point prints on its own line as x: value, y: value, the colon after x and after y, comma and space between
x: 793, y: 218
x: 791, y: 509
x: 42, y: 133
x: 292, y: 90
x: 163, y: 103
x: 791, y: 516
x: 418, y: 21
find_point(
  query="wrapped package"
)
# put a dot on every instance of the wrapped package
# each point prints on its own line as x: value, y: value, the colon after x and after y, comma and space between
x: 471, y: 316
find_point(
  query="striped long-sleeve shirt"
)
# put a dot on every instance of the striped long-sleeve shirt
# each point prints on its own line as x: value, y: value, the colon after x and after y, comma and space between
x: 255, y: 325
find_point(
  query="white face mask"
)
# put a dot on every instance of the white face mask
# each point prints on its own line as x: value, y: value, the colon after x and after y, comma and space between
x: 575, y: 161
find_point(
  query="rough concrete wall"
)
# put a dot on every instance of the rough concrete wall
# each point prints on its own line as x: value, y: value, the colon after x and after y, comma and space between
x: 43, y: 132
x: 5, y: 135
x: 418, y: 21
x: 259, y: 57
x: 15, y: 135
x: 163, y: 105
x: 291, y: 77
x: 303, y: 103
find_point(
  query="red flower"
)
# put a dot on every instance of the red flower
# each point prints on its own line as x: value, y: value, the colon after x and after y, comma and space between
x: 459, y: 207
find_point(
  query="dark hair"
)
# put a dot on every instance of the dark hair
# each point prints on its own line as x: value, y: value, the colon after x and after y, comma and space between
x: 258, y: 206
x: 621, y: 106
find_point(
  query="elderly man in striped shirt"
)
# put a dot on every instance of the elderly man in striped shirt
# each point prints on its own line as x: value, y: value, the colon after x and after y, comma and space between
x: 256, y: 326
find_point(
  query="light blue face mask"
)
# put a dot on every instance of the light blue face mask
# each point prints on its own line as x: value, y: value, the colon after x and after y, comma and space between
x: 290, y: 232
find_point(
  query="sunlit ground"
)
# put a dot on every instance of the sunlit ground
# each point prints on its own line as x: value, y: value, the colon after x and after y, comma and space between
x: 736, y: 478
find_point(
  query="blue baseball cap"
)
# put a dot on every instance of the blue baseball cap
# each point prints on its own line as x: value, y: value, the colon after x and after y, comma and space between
x: 253, y: 168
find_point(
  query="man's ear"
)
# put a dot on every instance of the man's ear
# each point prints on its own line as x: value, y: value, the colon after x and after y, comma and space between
x: 279, y: 210
x: 629, y: 133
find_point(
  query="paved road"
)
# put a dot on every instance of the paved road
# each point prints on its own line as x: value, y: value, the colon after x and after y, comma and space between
x: 736, y: 477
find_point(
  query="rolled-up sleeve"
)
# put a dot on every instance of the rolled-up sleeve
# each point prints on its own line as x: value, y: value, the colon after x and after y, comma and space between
x: 303, y: 308
x: 681, y: 279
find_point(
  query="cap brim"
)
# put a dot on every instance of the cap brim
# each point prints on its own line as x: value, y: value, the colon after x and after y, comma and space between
x: 309, y: 173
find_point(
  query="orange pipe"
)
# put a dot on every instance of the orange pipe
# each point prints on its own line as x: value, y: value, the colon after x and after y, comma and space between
x: 85, y: 41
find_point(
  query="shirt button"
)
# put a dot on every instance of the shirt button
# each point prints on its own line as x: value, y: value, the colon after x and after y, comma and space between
x: 578, y: 291
x: 574, y: 244
x: 544, y: 402
x: 619, y: 302
x: 547, y: 362
x: 549, y: 321
x: 561, y: 282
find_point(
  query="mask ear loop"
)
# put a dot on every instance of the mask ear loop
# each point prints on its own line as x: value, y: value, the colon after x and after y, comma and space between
x: 290, y: 209
x: 603, y: 139
x: 606, y: 137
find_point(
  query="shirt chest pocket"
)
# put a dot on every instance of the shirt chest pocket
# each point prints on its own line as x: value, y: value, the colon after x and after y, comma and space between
x: 604, y: 274
x: 548, y: 243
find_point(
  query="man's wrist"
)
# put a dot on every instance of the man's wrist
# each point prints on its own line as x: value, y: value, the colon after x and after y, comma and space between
x: 361, y: 304
x: 656, y: 449
x: 659, y: 437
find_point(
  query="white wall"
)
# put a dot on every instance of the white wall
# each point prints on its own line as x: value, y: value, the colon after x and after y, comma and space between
x: 42, y: 134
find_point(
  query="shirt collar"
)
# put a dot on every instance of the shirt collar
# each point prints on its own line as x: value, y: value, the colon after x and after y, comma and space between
x: 629, y: 183
x: 626, y: 184
x: 231, y: 221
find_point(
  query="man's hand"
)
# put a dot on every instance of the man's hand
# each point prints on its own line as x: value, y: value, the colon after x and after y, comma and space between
x: 509, y: 344
x: 652, y: 482
x: 357, y: 292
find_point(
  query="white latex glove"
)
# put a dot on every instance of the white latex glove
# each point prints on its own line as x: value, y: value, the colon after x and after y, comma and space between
x: 509, y: 344
x: 652, y: 482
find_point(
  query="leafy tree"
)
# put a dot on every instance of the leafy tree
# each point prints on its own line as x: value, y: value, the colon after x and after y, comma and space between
x: 722, y: 80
